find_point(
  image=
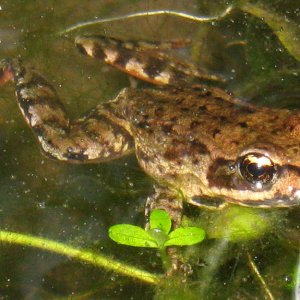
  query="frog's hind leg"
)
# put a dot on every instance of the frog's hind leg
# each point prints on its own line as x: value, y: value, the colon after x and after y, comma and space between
x: 143, y: 60
x: 93, y: 138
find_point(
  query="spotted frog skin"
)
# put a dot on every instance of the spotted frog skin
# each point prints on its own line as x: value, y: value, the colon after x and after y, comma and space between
x: 198, y: 142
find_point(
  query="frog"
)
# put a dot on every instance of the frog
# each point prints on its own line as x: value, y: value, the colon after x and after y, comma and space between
x: 202, y: 145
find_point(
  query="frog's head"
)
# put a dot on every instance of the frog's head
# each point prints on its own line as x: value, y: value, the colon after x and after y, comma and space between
x: 265, y: 176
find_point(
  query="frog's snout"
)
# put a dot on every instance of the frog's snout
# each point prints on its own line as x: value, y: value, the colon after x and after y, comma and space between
x: 294, y: 185
x: 296, y: 191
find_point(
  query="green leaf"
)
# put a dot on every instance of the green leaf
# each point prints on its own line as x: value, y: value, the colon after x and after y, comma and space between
x: 131, y: 235
x: 159, y: 219
x: 185, y: 236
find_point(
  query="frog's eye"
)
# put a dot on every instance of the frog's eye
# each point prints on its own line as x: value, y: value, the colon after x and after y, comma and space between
x: 258, y: 169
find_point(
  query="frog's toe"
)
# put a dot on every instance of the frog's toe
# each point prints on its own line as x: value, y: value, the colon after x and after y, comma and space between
x: 91, y: 46
x: 6, y: 73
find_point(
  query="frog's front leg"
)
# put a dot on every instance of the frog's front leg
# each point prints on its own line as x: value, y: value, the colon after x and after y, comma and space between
x: 93, y: 138
x: 168, y: 200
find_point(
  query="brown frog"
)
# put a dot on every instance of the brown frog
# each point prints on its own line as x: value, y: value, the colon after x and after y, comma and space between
x: 198, y: 142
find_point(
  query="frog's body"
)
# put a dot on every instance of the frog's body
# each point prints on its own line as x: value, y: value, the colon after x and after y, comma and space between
x: 197, y: 141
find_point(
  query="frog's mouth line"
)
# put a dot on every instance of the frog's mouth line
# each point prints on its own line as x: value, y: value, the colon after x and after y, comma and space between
x: 277, y: 200
x: 284, y: 201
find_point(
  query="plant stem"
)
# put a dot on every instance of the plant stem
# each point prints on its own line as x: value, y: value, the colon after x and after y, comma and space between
x: 260, y: 278
x: 95, y: 259
x: 165, y: 259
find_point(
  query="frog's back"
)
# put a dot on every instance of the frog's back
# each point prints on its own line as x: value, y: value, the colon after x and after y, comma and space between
x: 185, y: 123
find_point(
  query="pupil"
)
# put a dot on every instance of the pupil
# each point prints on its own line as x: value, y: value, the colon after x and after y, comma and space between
x: 257, y: 172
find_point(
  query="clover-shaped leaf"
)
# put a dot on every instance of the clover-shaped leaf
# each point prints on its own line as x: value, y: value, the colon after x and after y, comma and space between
x: 185, y: 236
x: 131, y: 235
x: 159, y: 219
x: 158, y: 236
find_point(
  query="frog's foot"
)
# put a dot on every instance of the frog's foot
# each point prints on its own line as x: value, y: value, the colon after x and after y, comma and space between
x: 5, y: 71
x: 93, y: 138
x: 143, y: 60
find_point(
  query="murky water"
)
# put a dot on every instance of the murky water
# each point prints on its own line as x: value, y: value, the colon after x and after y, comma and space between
x: 76, y: 204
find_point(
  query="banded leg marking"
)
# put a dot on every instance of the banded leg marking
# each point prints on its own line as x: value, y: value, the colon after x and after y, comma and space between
x: 92, y: 138
x: 142, y: 60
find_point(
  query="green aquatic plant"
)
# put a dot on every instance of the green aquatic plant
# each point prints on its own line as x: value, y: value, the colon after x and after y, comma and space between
x: 159, y: 235
x: 86, y: 256
x: 159, y: 220
x: 286, y: 30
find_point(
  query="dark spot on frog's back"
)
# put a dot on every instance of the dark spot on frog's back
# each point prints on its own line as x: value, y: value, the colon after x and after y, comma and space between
x: 202, y: 108
x: 179, y: 101
x: 145, y: 116
x: 243, y: 124
x: 197, y: 147
x: 246, y: 110
x: 223, y: 120
x: 159, y: 111
x: 180, y: 149
x: 215, y: 132
x: 185, y: 109
x: 175, y: 91
x: 167, y: 128
x: 194, y: 124
x: 143, y: 124
x: 219, y: 98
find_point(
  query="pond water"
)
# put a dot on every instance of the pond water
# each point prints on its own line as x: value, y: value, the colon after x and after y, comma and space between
x: 76, y: 204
